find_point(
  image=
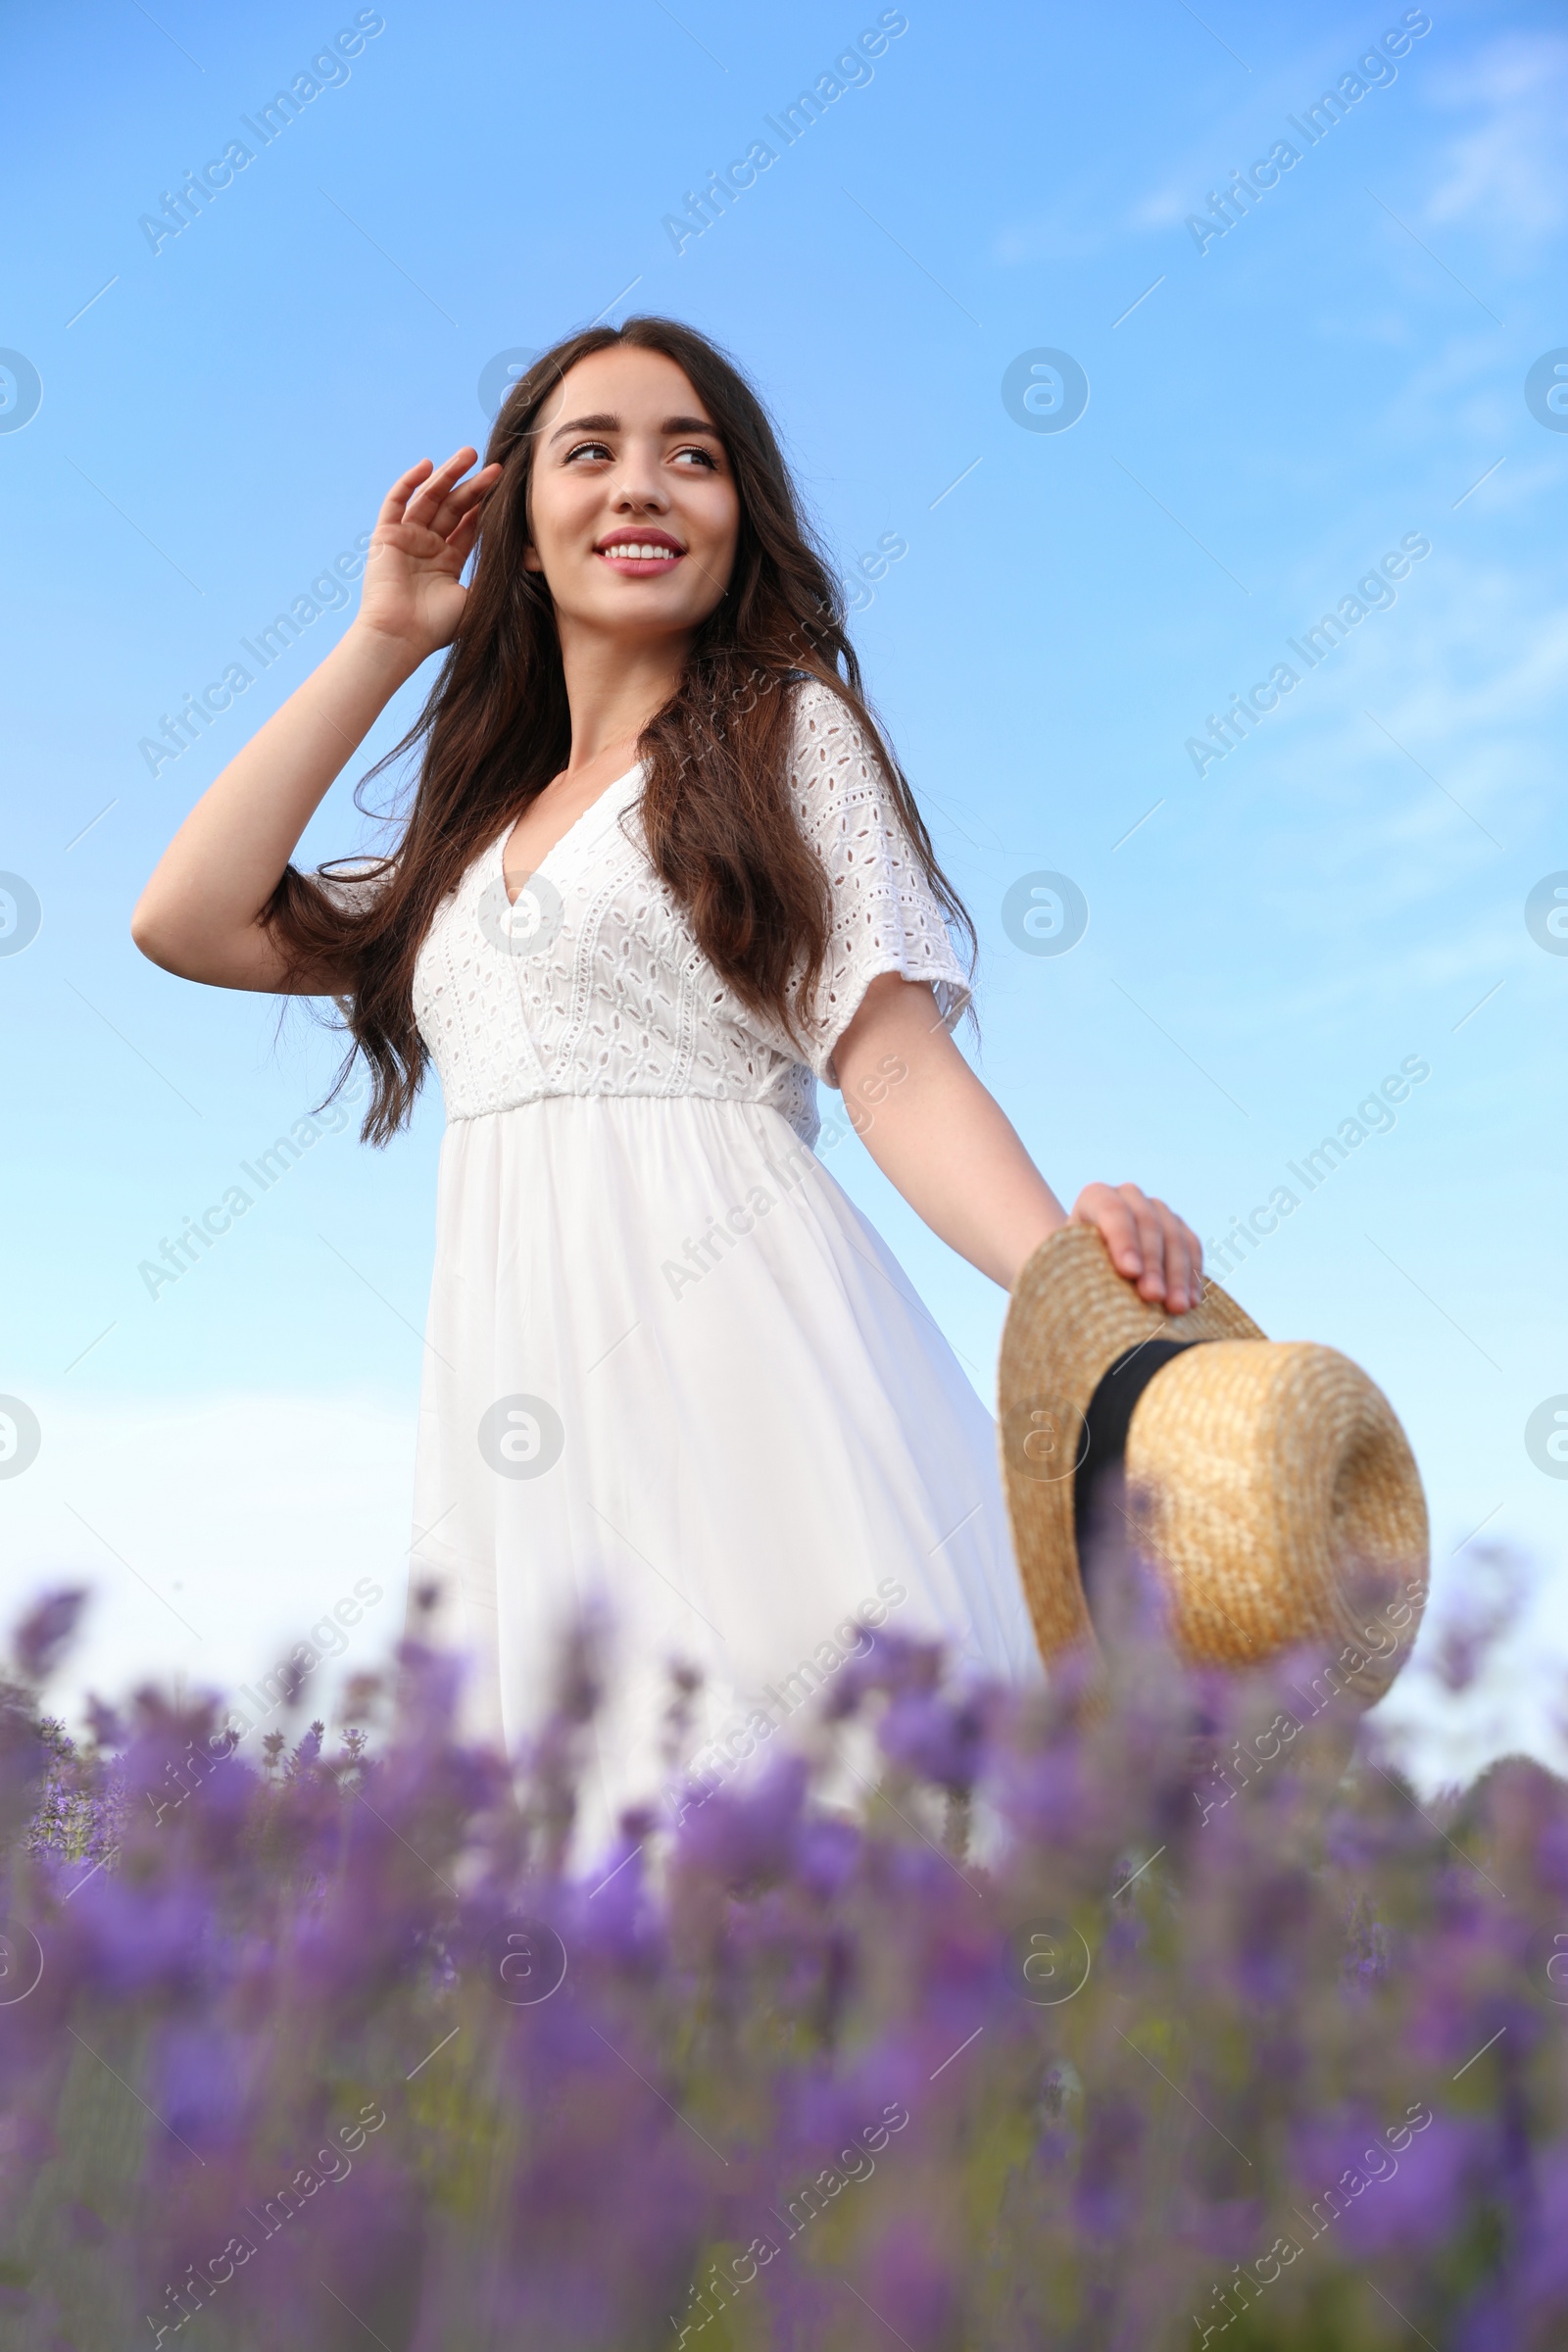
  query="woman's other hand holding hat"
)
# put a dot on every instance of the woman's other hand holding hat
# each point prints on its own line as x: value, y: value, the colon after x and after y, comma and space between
x: 936, y: 1133
x: 1149, y: 1244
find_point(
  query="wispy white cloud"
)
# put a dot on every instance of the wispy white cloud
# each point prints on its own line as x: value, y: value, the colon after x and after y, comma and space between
x: 1376, y: 836
x: 1165, y: 207
x: 1506, y: 172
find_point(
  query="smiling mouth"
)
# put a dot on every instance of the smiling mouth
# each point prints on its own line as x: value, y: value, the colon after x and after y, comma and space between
x: 641, y: 557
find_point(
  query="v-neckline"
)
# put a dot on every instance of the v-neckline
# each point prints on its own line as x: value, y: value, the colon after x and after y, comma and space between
x: 576, y: 825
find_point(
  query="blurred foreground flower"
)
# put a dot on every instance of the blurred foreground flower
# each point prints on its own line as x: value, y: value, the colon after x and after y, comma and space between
x: 1143, y: 2026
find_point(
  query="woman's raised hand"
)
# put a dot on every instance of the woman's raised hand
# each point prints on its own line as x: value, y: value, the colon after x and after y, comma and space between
x: 204, y: 913
x: 412, y: 592
x: 1149, y: 1244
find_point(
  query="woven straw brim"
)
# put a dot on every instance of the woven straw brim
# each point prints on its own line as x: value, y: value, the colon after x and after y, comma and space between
x: 1277, y: 1497
x: 1070, y: 1317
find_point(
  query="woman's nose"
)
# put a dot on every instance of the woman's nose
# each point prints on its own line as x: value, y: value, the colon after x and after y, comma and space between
x: 630, y: 491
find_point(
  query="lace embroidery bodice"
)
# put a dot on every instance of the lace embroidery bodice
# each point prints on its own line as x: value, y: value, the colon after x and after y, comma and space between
x: 594, y: 983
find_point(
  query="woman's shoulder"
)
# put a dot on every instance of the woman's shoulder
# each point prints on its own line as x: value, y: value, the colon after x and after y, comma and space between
x: 831, y: 757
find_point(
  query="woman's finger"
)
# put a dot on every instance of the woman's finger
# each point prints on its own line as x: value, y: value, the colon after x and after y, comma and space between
x: 1097, y: 1205
x: 1194, y: 1263
x: 394, y: 503
x: 1150, y: 1241
x: 427, y: 499
x: 458, y: 541
x: 1192, y: 1250
x: 414, y: 539
x: 478, y: 485
x: 1181, y: 1280
x: 464, y: 500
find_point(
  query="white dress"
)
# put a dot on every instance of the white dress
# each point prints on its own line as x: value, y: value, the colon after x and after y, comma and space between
x: 668, y: 1364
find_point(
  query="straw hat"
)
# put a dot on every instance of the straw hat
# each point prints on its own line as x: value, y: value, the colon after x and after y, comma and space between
x: 1268, y: 1484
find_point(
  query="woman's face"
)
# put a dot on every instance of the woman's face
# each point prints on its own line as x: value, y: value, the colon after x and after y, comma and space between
x: 633, y: 509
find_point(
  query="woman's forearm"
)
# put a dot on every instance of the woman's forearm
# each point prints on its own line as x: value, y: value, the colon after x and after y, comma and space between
x: 199, y: 915
x: 938, y: 1136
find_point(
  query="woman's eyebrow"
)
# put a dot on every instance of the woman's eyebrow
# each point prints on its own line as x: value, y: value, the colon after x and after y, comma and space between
x: 606, y: 424
x: 587, y: 425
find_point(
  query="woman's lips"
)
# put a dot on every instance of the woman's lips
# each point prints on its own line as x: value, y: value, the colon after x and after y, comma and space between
x: 651, y: 557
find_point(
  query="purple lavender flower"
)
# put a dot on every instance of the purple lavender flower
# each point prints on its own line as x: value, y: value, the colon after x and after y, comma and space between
x: 46, y: 1629
x: 783, y: 2081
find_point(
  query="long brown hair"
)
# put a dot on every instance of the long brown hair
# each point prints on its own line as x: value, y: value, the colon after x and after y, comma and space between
x: 719, y: 828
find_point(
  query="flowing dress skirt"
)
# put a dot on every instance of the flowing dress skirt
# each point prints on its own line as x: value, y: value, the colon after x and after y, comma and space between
x: 672, y: 1368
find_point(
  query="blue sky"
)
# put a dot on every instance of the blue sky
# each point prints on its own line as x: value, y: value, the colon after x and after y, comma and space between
x: 1270, y: 411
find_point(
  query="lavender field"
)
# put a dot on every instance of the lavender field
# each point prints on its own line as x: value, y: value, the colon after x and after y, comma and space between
x: 1151, y: 2025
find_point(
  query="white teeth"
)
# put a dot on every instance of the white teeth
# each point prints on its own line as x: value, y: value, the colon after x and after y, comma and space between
x: 640, y: 554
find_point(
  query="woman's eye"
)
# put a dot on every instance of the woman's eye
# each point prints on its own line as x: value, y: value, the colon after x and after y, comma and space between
x: 704, y: 457
x: 594, y: 449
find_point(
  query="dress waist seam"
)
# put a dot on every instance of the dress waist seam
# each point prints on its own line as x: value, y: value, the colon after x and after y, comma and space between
x: 462, y: 1119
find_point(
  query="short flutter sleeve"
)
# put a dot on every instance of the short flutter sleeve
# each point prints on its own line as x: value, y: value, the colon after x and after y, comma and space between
x: 884, y: 916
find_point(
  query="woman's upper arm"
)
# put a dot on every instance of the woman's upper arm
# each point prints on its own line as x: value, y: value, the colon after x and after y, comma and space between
x: 897, y: 1022
x: 251, y: 960
x: 252, y: 957
x: 884, y: 920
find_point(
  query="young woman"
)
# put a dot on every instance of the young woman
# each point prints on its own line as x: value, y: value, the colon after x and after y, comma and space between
x: 661, y: 876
